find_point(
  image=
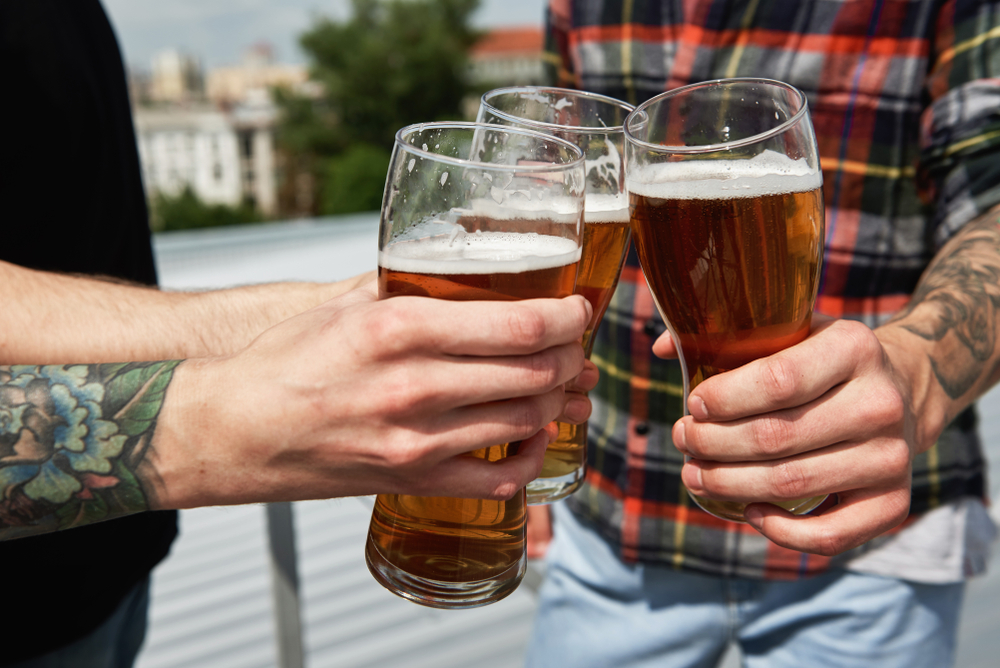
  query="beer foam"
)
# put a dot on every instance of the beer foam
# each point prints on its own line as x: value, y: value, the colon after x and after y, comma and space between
x: 769, y: 173
x: 478, y: 253
x: 604, y: 208
x: 540, y: 207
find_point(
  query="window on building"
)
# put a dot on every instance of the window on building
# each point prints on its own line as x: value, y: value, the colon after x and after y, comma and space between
x: 246, y: 144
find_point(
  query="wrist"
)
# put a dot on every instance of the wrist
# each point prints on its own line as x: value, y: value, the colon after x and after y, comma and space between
x: 928, y: 407
x: 190, y: 441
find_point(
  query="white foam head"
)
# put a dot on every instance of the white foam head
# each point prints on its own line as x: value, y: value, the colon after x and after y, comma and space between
x: 768, y: 173
x: 604, y: 208
x: 478, y: 253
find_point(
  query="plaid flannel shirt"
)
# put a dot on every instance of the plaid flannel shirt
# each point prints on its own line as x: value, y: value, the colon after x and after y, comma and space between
x: 907, y: 116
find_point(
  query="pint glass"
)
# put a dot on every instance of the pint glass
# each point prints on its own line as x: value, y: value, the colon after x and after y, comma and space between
x: 594, y: 123
x: 727, y: 215
x: 470, y: 212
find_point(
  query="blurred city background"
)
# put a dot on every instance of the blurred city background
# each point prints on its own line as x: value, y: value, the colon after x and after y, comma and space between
x: 264, y: 130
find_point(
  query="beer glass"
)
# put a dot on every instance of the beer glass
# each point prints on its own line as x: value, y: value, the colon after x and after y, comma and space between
x: 480, y: 212
x: 594, y: 123
x: 726, y: 210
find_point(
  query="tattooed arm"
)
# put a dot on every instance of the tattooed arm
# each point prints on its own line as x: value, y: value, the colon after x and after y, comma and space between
x: 945, y: 341
x: 92, y: 320
x: 352, y: 397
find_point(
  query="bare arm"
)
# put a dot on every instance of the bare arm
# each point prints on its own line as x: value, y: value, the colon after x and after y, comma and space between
x: 54, y: 318
x: 352, y: 397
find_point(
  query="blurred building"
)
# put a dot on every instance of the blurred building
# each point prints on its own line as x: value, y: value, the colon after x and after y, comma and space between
x: 258, y: 72
x: 508, y: 57
x: 176, y: 77
x: 224, y: 157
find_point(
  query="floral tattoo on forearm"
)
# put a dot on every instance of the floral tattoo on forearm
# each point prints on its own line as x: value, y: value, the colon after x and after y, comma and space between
x: 956, y: 304
x: 74, y: 442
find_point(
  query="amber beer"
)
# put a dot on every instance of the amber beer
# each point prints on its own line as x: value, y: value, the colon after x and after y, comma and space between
x: 605, y: 240
x: 731, y: 251
x: 422, y: 541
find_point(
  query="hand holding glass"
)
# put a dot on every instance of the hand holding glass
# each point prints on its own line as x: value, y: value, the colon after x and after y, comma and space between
x: 470, y: 212
x: 727, y: 215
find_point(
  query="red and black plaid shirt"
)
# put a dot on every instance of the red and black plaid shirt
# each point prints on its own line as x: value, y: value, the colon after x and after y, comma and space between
x: 907, y: 113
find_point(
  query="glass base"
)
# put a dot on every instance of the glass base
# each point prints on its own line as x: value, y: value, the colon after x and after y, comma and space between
x: 548, y: 490
x: 439, y: 594
x: 733, y: 510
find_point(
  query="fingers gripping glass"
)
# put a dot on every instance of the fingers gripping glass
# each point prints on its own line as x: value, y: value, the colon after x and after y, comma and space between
x: 470, y: 212
x: 727, y: 215
x: 594, y: 123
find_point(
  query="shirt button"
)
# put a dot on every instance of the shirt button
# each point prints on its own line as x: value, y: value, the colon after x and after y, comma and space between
x: 641, y: 428
x: 649, y: 329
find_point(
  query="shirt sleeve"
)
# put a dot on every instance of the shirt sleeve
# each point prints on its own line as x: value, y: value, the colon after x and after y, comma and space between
x: 960, y: 129
x: 558, y: 61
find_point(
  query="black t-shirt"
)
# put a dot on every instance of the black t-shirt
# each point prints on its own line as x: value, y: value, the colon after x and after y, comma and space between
x: 71, y: 200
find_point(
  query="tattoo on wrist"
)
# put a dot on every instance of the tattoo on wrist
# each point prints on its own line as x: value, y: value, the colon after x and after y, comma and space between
x: 956, y: 304
x: 74, y: 441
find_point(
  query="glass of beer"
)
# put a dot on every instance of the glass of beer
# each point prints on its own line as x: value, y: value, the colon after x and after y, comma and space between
x: 726, y: 206
x: 470, y: 212
x: 594, y: 123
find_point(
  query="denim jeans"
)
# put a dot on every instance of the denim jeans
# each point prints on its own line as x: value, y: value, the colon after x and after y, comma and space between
x: 597, y: 612
x: 114, y: 644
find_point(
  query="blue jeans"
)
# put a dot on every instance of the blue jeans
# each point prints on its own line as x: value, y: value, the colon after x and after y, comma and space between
x: 114, y: 644
x: 597, y: 612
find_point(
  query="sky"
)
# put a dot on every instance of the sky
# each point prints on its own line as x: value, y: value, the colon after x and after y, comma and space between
x: 219, y: 31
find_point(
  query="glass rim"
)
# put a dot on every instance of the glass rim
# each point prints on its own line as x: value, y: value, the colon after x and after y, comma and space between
x: 403, y: 133
x: 608, y: 129
x: 736, y: 143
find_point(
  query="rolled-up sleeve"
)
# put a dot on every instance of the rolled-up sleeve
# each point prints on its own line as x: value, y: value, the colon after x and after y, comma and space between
x: 960, y: 129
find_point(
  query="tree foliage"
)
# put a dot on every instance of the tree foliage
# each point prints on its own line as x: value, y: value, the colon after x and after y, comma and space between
x: 355, y: 180
x: 392, y: 63
x: 186, y: 211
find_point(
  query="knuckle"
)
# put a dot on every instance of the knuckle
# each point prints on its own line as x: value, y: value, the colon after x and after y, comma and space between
x: 829, y: 543
x: 389, y: 332
x: 769, y: 435
x: 544, y: 370
x: 404, y: 392
x: 864, y: 345
x: 405, y: 457
x: 527, y: 326
x: 897, y: 457
x: 526, y: 418
x: 780, y: 378
x: 789, y: 480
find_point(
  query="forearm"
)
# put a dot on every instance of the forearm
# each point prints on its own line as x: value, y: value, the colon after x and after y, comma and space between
x: 944, y: 343
x: 53, y: 318
x: 355, y: 396
x: 74, y: 443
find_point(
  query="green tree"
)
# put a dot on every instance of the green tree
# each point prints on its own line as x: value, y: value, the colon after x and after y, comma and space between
x: 392, y: 63
x: 186, y: 211
x: 355, y: 180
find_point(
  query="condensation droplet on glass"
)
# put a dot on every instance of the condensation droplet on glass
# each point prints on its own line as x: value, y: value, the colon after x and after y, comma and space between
x: 444, y: 178
x: 409, y: 165
x: 423, y: 146
x: 776, y: 117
